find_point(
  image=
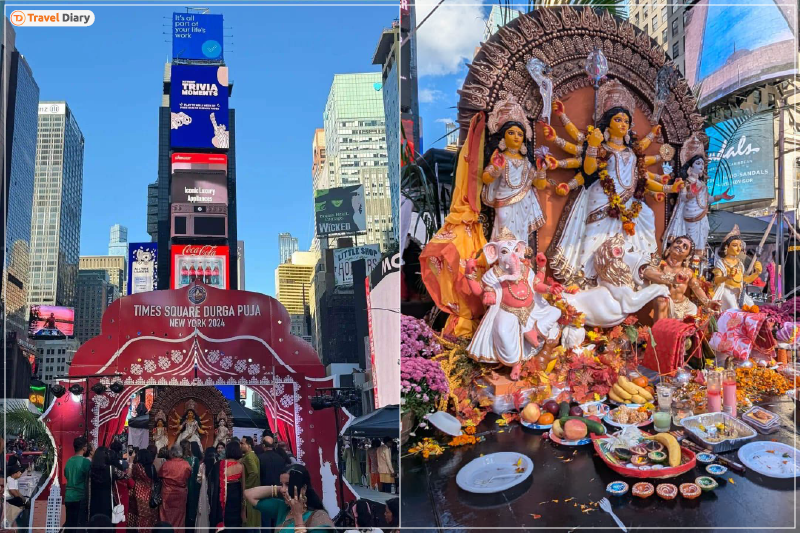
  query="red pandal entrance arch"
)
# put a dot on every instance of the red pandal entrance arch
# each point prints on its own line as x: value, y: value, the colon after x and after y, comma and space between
x: 200, y: 336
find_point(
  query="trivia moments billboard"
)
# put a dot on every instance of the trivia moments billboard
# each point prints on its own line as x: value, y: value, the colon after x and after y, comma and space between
x: 199, y: 107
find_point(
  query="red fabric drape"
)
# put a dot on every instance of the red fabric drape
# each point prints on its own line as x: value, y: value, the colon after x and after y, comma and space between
x: 670, y: 337
x: 112, y: 428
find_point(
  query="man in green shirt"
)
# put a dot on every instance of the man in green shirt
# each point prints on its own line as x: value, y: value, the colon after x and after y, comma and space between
x: 76, y: 470
x: 252, y: 478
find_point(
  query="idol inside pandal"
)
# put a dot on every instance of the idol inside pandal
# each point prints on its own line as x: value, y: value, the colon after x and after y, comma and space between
x: 690, y: 216
x: 612, y: 181
x: 730, y: 276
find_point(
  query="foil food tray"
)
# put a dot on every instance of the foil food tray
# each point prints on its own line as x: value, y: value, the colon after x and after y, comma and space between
x: 709, y: 420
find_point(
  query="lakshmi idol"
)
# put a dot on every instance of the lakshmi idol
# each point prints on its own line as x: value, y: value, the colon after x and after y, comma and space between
x: 510, y: 175
x: 614, y: 176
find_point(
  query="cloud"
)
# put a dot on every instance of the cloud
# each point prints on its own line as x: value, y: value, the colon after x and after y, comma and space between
x: 449, y: 37
x: 446, y: 120
x: 428, y: 96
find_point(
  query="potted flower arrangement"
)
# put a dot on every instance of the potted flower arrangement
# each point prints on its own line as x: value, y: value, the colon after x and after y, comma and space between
x: 417, y: 339
x: 423, y: 384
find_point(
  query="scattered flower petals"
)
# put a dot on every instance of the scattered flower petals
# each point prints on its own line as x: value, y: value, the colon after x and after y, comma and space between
x: 536, y: 516
x: 731, y: 481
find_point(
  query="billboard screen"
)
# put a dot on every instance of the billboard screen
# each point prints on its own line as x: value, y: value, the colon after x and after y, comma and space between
x: 196, y: 36
x: 343, y: 259
x: 184, y: 161
x: 199, y: 187
x: 340, y: 210
x: 749, y: 156
x: 731, y: 44
x: 142, y: 267
x: 51, y: 322
x: 199, y: 105
x: 199, y: 262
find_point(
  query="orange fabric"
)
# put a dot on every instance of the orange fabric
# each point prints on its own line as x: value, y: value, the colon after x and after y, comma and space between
x: 444, y: 258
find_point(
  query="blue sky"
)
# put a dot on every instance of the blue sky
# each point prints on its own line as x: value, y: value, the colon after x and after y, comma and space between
x: 282, y: 61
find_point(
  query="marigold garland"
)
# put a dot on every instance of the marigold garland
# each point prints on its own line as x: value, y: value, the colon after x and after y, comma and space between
x: 616, y: 208
x: 427, y: 447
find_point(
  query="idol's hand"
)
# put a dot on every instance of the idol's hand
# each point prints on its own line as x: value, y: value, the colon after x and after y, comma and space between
x: 677, y: 186
x: 470, y: 267
x: 562, y: 189
x: 659, y: 196
x: 656, y: 130
x: 726, y: 196
x: 758, y: 267
x: 549, y: 132
x: 552, y: 162
x: 489, y: 298
x: 556, y: 289
x: 595, y: 138
x: 558, y: 107
x: 498, y: 160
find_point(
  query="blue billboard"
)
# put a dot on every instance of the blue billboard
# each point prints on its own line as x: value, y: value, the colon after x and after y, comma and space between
x: 199, y: 105
x: 142, y: 267
x: 746, y: 145
x: 196, y: 36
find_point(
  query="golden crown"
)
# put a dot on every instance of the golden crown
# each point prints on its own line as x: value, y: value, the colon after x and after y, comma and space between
x: 508, y: 110
x: 506, y: 235
x: 691, y: 147
x: 733, y: 233
x: 613, y: 94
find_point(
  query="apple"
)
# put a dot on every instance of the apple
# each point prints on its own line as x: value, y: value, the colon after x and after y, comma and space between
x: 531, y: 413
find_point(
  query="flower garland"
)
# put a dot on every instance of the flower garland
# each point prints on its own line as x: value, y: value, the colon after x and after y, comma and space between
x: 616, y: 207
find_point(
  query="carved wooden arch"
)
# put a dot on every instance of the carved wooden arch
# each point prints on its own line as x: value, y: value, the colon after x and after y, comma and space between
x: 168, y: 398
x: 563, y: 37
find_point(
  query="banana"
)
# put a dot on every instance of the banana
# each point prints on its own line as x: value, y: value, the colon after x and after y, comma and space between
x: 627, y: 385
x: 620, y: 392
x: 638, y: 399
x: 672, y: 446
x: 615, y: 397
x: 644, y: 393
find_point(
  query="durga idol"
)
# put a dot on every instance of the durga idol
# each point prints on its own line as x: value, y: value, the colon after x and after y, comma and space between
x: 613, y: 169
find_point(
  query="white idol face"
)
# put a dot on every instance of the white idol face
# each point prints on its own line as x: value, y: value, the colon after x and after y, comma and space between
x: 698, y: 166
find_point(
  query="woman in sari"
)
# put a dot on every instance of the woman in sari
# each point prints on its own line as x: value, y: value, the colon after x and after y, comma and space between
x: 203, y: 475
x: 194, y: 487
x: 227, y: 503
x: 174, y: 477
x: 294, y: 505
x: 141, y: 516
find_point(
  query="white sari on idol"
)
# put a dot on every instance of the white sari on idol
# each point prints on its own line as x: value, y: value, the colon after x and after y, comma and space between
x: 514, y: 200
x: 691, y: 216
x: 500, y: 337
x: 588, y: 224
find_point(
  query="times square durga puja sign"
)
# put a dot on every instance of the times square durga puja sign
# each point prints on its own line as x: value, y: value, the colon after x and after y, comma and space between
x: 199, y: 336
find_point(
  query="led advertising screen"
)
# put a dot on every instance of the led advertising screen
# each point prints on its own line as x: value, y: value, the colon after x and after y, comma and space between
x: 142, y: 267
x: 186, y: 161
x: 199, y: 262
x: 749, y: 156
x: 199, y: 187
x: 343, y: 259
x: 196, y: 36
x: 199, y: 107
x: 731, y: 44
x: 340, y: 210
x: 51, y: 322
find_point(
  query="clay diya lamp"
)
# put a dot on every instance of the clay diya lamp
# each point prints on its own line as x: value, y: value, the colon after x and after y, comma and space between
x: 642, y: 490
x: 667, y: 491
x: 706, y: 483
x: 690, y: 491
x: 617, y: 488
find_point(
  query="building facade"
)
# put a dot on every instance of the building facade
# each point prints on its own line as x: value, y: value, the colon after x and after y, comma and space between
x: 287, y: 245
x: 355, y: 144
x: 118, y: 241
x: 653, y: 19
x: 53, y: 358
x: 113, y: 265
x: 319, y: 163
x: 677, y: 26
x: 56, y: 212
x: 21, y: 107
x: 240, y: 264
x: 95, y: 294
x: 293, y: 282
x: 498, y: 17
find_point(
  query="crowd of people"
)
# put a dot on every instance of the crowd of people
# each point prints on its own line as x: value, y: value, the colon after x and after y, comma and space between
x: 241, y: 485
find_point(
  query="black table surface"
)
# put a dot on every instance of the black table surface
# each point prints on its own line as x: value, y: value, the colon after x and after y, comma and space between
x: 431, y: 499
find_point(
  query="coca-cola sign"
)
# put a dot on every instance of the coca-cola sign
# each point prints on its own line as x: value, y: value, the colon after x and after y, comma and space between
x: 200, y: 263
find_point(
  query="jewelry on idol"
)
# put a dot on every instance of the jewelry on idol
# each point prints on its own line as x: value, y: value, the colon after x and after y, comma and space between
x: 606, y: 135
x: 523, y: 149
x: 502, y: 145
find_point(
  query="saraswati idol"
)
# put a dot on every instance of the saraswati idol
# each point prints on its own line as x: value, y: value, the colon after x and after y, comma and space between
x: 612, y: 178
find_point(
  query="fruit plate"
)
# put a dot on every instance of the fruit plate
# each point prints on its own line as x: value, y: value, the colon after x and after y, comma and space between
x: 565, y: 442
x: 632, y: 405
x: 771, y: 459
x: 613, y: 422
x: 535, y: 426
x: 495, y: 472
x: 601, y: 409
x: 602, y: 447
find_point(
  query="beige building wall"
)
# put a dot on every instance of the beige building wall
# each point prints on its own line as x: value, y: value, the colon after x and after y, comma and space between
x: 293, y: 282
x: 113, y: 264
x: 652, y: 18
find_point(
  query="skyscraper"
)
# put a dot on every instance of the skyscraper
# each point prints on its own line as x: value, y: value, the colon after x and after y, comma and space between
x: 95, y: 294
x: 319, y: 163
x: 17, y: 156
x: 653, y: 19
x: 288, y: 246
x: 118, y: 242
x: 355, y: 147
x: 112, y: 265
x: 293, y: 289
x: 56, y: 213
x: 498, y: 17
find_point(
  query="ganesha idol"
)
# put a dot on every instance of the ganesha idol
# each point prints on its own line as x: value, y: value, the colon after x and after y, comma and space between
x: 518, y: 319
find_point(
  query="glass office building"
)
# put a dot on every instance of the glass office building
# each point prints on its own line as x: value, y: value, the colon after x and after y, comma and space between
x: 21, y: 128
x: 56, y: 214
x: 355, y: 147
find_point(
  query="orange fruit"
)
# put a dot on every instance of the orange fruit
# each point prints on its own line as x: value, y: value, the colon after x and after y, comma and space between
x: 640, y: 381
x: 545, y: 419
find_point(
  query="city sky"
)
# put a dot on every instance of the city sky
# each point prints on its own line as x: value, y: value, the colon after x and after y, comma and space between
x: 281, y: 60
